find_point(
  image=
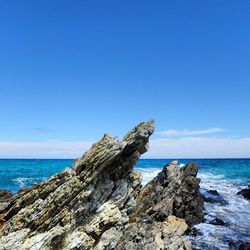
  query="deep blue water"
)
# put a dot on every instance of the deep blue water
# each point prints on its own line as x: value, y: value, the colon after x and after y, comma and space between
x: 227, y: 176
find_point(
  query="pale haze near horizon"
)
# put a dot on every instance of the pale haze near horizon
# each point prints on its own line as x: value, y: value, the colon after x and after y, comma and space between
x: 182, y: 146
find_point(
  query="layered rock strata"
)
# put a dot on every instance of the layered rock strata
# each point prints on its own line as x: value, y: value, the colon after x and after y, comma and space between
x: 99, y: 203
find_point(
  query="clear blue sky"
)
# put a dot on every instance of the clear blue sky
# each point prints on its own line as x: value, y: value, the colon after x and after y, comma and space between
x: 72, y: 70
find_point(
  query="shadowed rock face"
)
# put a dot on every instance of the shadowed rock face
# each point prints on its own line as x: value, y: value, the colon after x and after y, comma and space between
x: 5, y: 195
x: 175, y: 191
x: 245, y: 193
x: 99, y: 200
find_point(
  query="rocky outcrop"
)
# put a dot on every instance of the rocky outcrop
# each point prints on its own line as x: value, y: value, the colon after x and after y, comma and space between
x: 99, y: 203
x: 175, y: 192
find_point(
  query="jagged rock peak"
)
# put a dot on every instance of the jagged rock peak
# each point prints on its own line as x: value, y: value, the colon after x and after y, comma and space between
x: 109, y: 148
x: 79, y: 207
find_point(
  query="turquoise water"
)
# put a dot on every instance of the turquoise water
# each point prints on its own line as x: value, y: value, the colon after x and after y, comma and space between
x: 236, y: 170
x: 15, y: 174
x: 227, y: 176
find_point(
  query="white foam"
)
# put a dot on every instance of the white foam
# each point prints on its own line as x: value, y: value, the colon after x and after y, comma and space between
x: 148, y: 174
x: 181, y: 165
x: 26, y: 181
x: 236, y: 214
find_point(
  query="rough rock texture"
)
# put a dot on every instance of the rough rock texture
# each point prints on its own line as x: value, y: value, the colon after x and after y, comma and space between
x: 175, y: 192
x: 151, y: 235
x: 5, y: 199
x: 99, y: 203
x: 5, y: 195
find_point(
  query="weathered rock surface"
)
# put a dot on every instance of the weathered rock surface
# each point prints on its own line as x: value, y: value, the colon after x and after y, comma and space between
x: 99, y: 203
x: 5, y: 195
x: 173, y: 193
x: 5, y: 199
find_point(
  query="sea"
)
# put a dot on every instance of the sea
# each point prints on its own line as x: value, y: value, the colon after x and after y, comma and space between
x: 227, y: 176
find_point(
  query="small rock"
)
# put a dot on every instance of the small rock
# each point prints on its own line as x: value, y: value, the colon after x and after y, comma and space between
x: 245, y: 193
x: 217, y: 222
x: 213, y: 192
x: 244, y: 246
x: 213, y: 196
x: 195, y: 232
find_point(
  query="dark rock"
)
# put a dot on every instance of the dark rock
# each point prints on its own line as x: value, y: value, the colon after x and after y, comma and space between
x: 245, y: 246
x: 213, y: 196
x: 213, y: 192
x: 5, y: 200
x: 238, y: 245
x: 220, y: 201
x: 191, y: 206
x: 5, y: 195
x: 195, y: 232
x: 173, y: 192
x: 231, y: 244
x: 245, y: 193
x: 217, y: 222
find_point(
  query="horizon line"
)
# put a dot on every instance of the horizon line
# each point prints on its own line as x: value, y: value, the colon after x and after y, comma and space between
x: 158, y: 158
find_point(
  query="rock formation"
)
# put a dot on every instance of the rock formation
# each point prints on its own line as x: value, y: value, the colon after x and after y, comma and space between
x: 99, y: 203
x: 173, y: 192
